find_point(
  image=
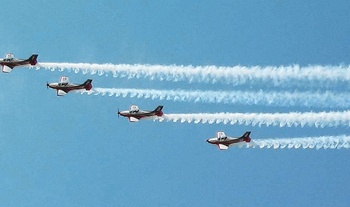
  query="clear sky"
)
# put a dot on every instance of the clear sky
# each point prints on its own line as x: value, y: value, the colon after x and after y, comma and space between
x: 74, y: 151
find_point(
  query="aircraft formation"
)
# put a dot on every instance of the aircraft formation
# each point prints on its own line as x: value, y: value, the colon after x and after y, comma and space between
x: 284, y: 77
x: 9, y: 62
x: 316, y: 86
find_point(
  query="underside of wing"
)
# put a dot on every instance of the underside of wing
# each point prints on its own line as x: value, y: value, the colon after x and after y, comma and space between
x: 133, y: 119
x: 222, y: 147
x: 6, y: 69
x: 61, y: 93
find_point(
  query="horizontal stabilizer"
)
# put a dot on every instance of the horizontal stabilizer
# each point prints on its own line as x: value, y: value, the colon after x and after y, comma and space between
x: 87, y: 84
x: 33, y: 59
x: 246, y: 137
x: 158, y: 111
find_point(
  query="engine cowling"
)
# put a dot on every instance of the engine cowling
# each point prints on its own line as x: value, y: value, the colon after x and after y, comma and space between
x: 6, y: 69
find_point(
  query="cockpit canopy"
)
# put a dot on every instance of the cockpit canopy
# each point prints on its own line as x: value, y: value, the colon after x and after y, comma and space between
x: 9, y: 56
x: 64, y: 80
x: 221, y: 135
x: 134, y: 109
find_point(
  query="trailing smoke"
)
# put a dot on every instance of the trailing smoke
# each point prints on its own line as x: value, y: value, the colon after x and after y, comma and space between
x: 312, y: 119
x: 308, y: 99
x: 236, y: 75
x: 325, y: 142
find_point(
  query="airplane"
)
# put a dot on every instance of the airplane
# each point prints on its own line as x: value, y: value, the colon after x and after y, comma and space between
x: 9, y: 62
x: 64, y: 86
x: 135, y: 114
x: 224, y: 142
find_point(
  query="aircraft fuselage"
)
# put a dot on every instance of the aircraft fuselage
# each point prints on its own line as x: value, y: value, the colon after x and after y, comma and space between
x: 138, y: 115
x: 226, y: 141
x: 223, y: 142
x: 134, y: 114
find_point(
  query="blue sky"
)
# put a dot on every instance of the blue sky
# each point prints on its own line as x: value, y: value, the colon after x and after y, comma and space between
x: 74, y: 151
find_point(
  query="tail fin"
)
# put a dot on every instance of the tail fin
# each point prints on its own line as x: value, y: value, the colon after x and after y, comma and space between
x: 33, y: 59
x: 246, y: 137
x: 158, y: 111
x: 87, y: 84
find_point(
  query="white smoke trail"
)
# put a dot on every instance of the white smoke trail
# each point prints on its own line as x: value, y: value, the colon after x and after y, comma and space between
x: 326, y: 99
x: 230, y: 75
x: 320, y: 119
x: 325, y: 142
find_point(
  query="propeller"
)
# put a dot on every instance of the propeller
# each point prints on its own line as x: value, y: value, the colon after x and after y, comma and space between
x: 47, y: 85
x: 118, y: 112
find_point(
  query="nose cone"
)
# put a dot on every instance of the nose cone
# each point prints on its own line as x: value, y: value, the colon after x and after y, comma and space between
x: 210, y: 141
x: 122, y: 113
x: 48, y: 85
x: 52, y: 85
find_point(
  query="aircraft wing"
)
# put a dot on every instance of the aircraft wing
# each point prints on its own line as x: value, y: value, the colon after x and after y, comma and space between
x: 6, y: 69
x: 64, y: 79
x: 133, y: 119
x: 222, y: 147
x: 61, y: 93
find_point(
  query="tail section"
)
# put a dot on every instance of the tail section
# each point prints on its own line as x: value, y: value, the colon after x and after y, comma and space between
x: 158, y: 111
x: 33, y: 59
x: 87, y: 84
x: 246, y: 137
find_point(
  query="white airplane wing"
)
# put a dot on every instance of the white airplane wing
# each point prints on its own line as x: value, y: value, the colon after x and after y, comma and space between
x: 134, y: 108
x: 6, y: 69
x: 222, y: 147
x: 61, y: 93
x: 133, y: 119
x: 221, y: 135
x: 64, y: 79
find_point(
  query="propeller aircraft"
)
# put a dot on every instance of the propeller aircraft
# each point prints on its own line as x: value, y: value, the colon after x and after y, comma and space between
x: 9, y: 62
x: 224, y: 142
x: 135, y: 114
x: 64, y: 86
